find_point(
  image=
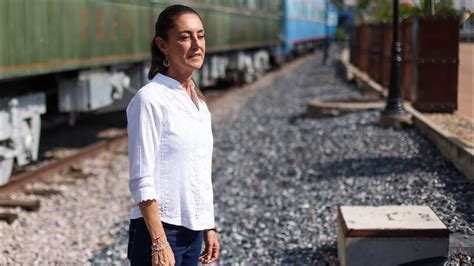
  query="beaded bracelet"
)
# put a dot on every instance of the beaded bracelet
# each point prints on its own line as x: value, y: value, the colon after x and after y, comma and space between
x: 211, y: 229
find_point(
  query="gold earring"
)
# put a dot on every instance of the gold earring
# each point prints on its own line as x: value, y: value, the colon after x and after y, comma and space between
x: 166, y: 61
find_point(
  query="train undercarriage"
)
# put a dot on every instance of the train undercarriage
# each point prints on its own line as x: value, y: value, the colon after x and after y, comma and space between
x: 101, y: 90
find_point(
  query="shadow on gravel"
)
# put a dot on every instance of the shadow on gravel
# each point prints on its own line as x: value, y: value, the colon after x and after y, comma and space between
x: 454, y: 185
x: 462, y: 191
x: 325, y: 254
x: 113, y: 247
x: 86, y: 131
x: 292, y: 120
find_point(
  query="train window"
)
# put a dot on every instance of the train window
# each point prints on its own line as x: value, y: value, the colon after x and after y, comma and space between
x: 294, y: 8
x: 303, y: 9
x: 317, y: 12
x: 309, y: 5
x: 289, y: 9
x: 298, y: 8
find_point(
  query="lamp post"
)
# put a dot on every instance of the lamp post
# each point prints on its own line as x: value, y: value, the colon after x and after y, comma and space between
x: 326, y: 30
x: 394, y: 113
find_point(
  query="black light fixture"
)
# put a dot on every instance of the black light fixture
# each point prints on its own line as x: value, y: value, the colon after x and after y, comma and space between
x: 394, y: 110
x: 326, y: 30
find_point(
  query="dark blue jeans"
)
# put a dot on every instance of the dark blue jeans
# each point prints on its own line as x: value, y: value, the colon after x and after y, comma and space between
x: 185, y: 243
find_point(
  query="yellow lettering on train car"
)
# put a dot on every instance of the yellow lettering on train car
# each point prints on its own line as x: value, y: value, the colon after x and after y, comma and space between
x: 149, y: 30
x: 84, y: 24
x: 113, y: 24
x: 126, y: 25
x: 99, y: 25
x: 93, y: 22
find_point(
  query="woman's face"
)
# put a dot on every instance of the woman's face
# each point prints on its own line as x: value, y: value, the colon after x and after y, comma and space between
x: 186, y: 45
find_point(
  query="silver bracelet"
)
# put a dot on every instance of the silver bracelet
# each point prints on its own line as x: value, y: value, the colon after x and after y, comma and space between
x: 157, y: 248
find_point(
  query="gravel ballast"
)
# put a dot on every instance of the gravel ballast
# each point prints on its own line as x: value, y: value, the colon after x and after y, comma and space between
x: 279, y: 176
x: 70, y: 227
x: 278, y: 179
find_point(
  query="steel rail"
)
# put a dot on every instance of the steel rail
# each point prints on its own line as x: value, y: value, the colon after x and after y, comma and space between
x: 19, y: 181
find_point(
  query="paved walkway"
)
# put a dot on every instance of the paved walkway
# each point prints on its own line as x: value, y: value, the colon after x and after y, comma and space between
x: 466, y: 80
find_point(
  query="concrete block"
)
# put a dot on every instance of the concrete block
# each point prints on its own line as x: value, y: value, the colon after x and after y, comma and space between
x: 323, y: 108
x: 389, y: 235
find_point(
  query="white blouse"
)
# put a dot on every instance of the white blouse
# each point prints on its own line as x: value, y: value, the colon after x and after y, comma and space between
x: 170, y: 154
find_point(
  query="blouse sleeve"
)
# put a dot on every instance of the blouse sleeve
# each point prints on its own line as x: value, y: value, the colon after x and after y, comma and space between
x: 144, y: 132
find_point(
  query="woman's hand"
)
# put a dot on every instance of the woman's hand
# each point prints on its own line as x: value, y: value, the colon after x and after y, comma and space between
x: 163, y: 257
x: 212, y: 248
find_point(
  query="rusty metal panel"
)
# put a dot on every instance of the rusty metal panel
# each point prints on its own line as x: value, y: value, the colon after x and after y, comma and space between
x: 437, y: 87
x: 364, y: 48
x: 406, y: 38
x: 375, y: 51
x: 437, y: 61
x: 386, y: 54
x: 355, y: 46
x: 438, y: 37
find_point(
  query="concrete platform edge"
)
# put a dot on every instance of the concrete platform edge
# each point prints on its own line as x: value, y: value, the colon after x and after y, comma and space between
x: 450, y: 146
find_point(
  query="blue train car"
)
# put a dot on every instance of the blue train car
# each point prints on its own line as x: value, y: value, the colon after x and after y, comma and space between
x: 306, y: 23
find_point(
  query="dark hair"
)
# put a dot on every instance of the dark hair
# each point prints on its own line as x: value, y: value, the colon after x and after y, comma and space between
x: 165, y: 22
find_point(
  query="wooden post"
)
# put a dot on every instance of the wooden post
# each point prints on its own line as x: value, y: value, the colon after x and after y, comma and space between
x: 29, y: 205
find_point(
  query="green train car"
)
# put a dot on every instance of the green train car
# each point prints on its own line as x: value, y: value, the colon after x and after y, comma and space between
x: 73, y: 56
x: 48, y: 36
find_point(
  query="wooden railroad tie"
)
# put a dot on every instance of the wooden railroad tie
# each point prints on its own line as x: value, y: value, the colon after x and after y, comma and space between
x: 29, y: 205
x: 8, y: 217
x: 42, y: 191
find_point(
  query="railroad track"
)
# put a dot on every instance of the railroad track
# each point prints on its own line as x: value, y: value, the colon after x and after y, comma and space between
x: 19, y: 182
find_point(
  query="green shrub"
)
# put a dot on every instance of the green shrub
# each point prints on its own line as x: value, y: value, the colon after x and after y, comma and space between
x: 341, y: 35
x: 382, y: 10
x: 442, y: 8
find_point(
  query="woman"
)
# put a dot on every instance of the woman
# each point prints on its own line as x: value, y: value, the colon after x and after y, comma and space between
x: 170, y: 151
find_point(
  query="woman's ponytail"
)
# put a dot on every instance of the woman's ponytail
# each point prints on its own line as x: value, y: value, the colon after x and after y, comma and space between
x: 156, y: 61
